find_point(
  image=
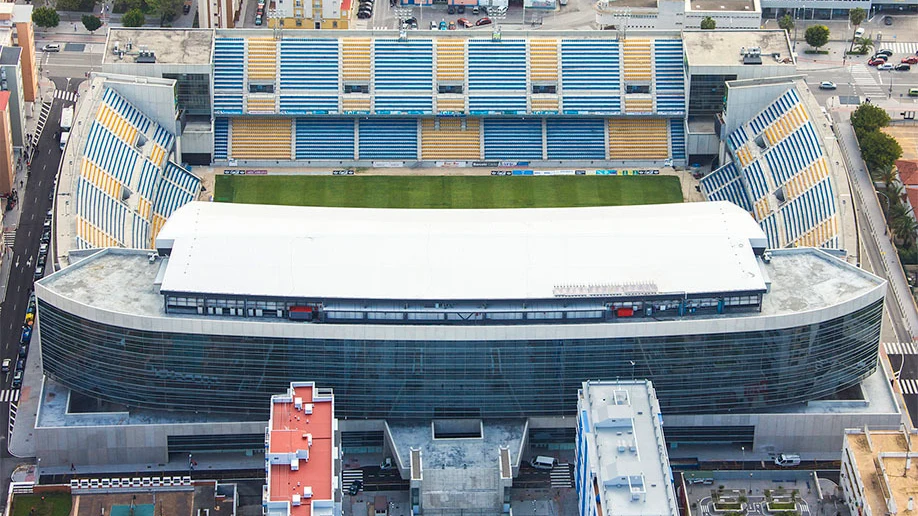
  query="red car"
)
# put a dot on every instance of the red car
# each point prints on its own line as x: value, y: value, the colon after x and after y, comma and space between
x: 911, y: 60
x: 483, y: 21
x: 464, y: 23
x: 876, y: 62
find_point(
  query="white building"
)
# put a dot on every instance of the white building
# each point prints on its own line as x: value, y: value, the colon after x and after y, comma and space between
x: 678, y: 14
x: 877, y: 474
x: 622, y: 467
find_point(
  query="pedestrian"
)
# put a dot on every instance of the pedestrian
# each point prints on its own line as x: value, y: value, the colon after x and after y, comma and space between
x: 72, y: 467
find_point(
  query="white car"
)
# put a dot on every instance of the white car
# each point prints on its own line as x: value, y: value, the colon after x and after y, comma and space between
x: 885, y: 66
x: 5, y: 367
x: 51, y: 47
x: 827, y: 85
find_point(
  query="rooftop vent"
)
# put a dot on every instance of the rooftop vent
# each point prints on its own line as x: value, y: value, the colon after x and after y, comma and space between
x: 146, y: 57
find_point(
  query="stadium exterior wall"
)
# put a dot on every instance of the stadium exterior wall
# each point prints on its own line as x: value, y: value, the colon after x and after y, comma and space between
x: 728, y: 364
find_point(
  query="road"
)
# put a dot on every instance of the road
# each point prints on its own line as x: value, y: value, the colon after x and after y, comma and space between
x: 68, y: 63
x: 34, y: 202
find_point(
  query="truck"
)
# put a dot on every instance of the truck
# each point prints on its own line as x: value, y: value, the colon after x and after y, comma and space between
x: 186, y: 7
x: 66, y: 124
x: 66, y: 118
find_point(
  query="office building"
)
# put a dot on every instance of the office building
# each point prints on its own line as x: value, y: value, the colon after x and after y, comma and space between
x: 7, y: 165
x: 301, y: 454
x: 18, y: 19
x: 622, y: 468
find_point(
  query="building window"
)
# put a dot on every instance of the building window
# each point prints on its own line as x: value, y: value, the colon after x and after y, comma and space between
x: 260, y: 87
x: 357, y: 88
x: 544, y: 88
x: 192, y: 92
x: 637, y: 88
x: 707, y: 94
x: 449, y: 88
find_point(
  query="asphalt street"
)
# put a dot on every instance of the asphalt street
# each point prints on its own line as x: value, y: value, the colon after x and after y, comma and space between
x: 35, y: 202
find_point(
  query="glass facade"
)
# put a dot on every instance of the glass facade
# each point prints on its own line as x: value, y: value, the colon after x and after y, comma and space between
x: 397, y: 379
x: 707, y: 94
x: 192, y: 92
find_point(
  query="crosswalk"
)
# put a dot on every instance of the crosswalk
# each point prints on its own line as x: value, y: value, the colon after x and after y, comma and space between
x: 901, y: 348
x: 865, y: 80
x: 561, y: 476
x: 909, y: 385
x: 7, y: 395
x: 349, y: 476
x: 42, y: 119
x: 69, y: 96
x: 898, y: 48
x: 7, y: 238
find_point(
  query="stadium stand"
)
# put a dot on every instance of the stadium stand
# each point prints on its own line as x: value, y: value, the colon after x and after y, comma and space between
x: 369, y: 76
x: 638, y: 139
x: 513, y: 139
x: 126, y: 181
x: 388, y: 138
x: 325, y: 138
x: 783, y: 180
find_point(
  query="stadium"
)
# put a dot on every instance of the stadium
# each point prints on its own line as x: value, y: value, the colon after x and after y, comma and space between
x: 743, y: 311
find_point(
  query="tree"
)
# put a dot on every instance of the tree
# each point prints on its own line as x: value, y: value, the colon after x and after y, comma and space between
x: 92, y: 23
x: 167, y: 9
x: 45, y: 17
x: 867, y: 118
x: 856, y: 16
x: 133, y: 18
x: 863, y: 45
x: 786, y: 22
x: 879, y: 149
x: 708, y: 23
x: 885, y: 174
x: 905, y: 228
x: 817, y: 36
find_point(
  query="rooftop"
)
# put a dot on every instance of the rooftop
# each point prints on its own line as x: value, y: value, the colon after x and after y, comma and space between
x: 301, y: 450
x: 10, y: 55
x: 611, y: 5
x: 725, y: 6
x: 881, y: 462
x: 170, y: 46
x: 723, y: 47
x: 626, y: 449
x: 908, y: 171
x: 458, y: 254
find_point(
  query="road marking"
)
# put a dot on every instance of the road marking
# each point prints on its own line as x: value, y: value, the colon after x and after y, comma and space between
x: 900, y: 348
x: 909, y: 386
x: 8, y: 395
x: 68, y: 96
x: 865, y: 80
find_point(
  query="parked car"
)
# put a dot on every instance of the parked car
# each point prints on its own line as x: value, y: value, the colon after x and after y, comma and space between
x: 442, y: 25
x: 460, y: 9
x: 885, y: 66
x: 884, y: 52
x: 433, y: 25
x: 902, y: 67
x: 859, y: 33
x: 39, y: 271
x: 827, y: 85
x: 355, y: 487
x: 876, y: 62
x: 363, y: 15
x: 45, y: 237
x: 17, y: 380
x: 43, y: 249
x: 258, y: 20
x: 26, y: 335
x: 483, y: 21
x: 451, y: 9
x: 23, y: 351
x: 5, y: 366
x: 910, y: 60
x: 51, y: 47
x: 787, y: 460
x: 887, y: 20
x: 452, y: 26
x: 476, y: 10
x: 464, y: 23
x: 411, y: 23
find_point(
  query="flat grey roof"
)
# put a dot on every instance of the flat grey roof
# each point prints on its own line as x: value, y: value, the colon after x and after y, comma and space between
x: 610, y: 5
x: 170, y: 46
x: 9, y: 55
x: 722, y: 47
x: 121, y: 281
x: 746, y: 6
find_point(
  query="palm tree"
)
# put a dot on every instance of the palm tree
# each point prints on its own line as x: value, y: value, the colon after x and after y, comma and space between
x: 863, y: 45
x: 887, y: 174
x: 906, y: 229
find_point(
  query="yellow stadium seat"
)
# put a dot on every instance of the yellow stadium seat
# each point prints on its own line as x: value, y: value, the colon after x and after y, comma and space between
x: 543, y: 60
x: 636, y: 59
x: 450, y: 104
x: 262, y: 58
x: 261, y: 138
x: 355, y: 59
x: 451, y: 59
x: 445, y: 138
x: 638, y: 138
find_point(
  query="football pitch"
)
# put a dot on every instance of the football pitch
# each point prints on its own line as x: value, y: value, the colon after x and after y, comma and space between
x: 448, y: 191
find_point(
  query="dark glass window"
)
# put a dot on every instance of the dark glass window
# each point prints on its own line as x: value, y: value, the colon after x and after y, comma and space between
x: 707, y: 94
x: 192, y: 92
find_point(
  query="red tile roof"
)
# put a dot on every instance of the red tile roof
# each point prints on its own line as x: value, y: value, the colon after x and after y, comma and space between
x: 288, y: 433
x: 908, y: 171
x: 4, y: 100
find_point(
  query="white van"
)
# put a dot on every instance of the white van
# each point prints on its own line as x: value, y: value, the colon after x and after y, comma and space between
x: 787, y: 461
x: 859, y: 33
x: 542, y: 462
x: 64, y: 137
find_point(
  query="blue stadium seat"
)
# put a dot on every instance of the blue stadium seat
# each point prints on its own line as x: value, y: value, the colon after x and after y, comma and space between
x: 497, y: 65
x: 718, y: 178
x: 309, y: 64
x: 755, y: 180
x: 794, y: 153
x: 774, y: 111
x: 126, y: 110
x: 311, y: 104
x: 513, y: 139
x: 221, y: 137
x: 404, y: 65
x: 590, y: 64
x: 381, y: 138
x: 149, y: 175
x: 737, y: 138
x: 322, y: 138
x: 669, y: 76
x: 677, y: 138
x: 582, y: 139
x: 229, y: 63
x: 591, y: 104
x: 404, y: 104
x: 110, y: 153
x: 497, y: 104
x: 228, y: 104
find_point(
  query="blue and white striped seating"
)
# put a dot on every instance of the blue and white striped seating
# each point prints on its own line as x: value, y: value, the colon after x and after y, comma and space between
x: 229, y: 63
x: 734, y: 192
x: 102, y: 211
x: 590, y: 64
x: 755, y: 180
x: 176, y: 191
x: 182, y: 178
x: 404, y: 65
x: 593, y: 104
x: 669, y: 72
x: 519, y: 139
x: 382, y: 138
x: 110, y: 153
x: 737, y: 138
x: 312, y: 104
x: 405, y: 104
x: 140, y: 228
x: 163, y: 138
x: 808, y: 210
x: 126, y: 110
x: 309, y: 64
x: 794, y: 153
x: 149, y: 174
x: 575, y: 139
x: 677, y: 138
x: 497, y: 65
x: 497, y: 104
x: 774, y: 111
x: 228, y: 104
x: 770, y: 225
x: 323, y: 138
x: 221, y: 137
x: 717, y: 179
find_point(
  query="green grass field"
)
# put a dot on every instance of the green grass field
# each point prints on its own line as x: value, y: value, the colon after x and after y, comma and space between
x: 54, y: 504
x: 448, y: 191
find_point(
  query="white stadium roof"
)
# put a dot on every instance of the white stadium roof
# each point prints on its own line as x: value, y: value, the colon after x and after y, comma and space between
x: 357, y: 253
